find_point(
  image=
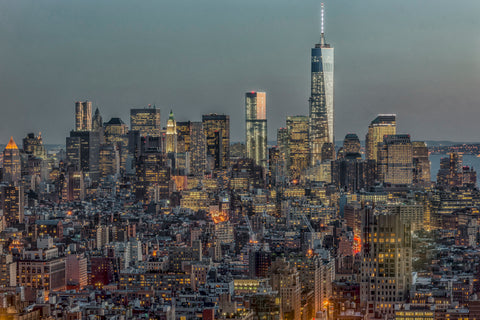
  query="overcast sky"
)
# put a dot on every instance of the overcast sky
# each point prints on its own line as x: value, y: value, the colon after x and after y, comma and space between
x: 417, y: 58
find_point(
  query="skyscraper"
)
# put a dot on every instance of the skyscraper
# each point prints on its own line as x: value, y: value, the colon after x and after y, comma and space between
x: 198, y: 155
x: 382, y: 125
x: 421, y: 163
x: 256, y: 127
x: 171, y: 139
x: 11, y: 163
x: 321, y: 99
x: 395, y: 159
x: 83, y: 116
x: 146, y: 121
x: 12, y: 200
x: 298, y: 148
x: 386, y: 268
x: 217, y: 131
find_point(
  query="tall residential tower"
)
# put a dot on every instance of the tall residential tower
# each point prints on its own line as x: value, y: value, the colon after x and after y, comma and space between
x: 321, y: 99
x: 256, y: 127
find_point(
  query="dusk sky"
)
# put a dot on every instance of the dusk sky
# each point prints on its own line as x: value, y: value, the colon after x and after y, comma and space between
x: 417, y: 58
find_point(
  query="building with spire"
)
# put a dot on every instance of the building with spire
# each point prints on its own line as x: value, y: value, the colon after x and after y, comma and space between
x: 171, y: 138
x: 321, y: 99
x: 11, y: 163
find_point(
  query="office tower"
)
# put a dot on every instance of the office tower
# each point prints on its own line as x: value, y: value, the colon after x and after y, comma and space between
x: 83, y: 152
x: 183, y: 136
x: 197, y: 149
x: 109, y: 160
x: 351, y: 143
x: 116, y: 133
x: 171, y: 138
x: 382, y: 125
x: 395, y: 160
x: 12, y: 166
x: 12, y: 204
x: 146, y: 121
x: 97, y: 126
x: 217, y: 132
x: 421, y: 163
x: 97, y: 122
x: 153, y: 176
x: 83, y: 116
x: 352, y: 173
x: 74, y: 187
x: 256, y: 127
x: 298, y: 150
x: 33, y: 145
x: 321, y: 99
x: 386, y: 267
x: 453, y: 173
x: 328, y: 152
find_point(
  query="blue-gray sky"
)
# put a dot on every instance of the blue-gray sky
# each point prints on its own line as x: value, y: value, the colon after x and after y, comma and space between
x: 419, y: 59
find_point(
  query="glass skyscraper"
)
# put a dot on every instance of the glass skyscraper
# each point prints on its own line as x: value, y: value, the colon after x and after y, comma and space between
x: 256, y: 127
x: 321, y: 99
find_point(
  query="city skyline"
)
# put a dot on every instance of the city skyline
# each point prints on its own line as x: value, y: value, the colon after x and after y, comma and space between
x: 415, y: 82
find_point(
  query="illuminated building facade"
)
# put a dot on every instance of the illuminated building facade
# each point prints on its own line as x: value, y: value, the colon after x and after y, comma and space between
x: 183, y: 136
x: 321, y: 98
x: 382, y: 125
x: 298, y: 150
x: 171, y: 138
x: 33, y: 145
x: 83, y: 116
x: 197, y: 149
x: 395, y: 160
x: 12, y: 165
x: 153, y: 175
x: 146, y: 121
x: 116, y: 134
x: 217, y: 132
x: 386, y: 267
x: 12, y: 204
x: 421, y: 163
x: 256, y: 127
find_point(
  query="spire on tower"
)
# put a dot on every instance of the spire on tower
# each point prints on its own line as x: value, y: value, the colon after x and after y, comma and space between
x: 322, y: 25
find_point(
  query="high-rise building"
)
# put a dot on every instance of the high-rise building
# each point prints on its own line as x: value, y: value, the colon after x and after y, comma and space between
x: 386, y: 267
x: 153, y: 176
x: 116, y: 133
x: 146, y: 121
x: 171, y: 138
x: 33, y: 145
x: 256, y: 127
x: 217, y: 132
x: 321, y: 98
x: 183, y: 136
x: 421, y: 163
x: 197, y: 149
x: 351, y: 143
x: 83, y: 151
x: 83, y: 116
x: 353, y: 173
x: 382, y: 125
x: 12, y: 200
x: 395, y: 160
x: 298, y: 150
x: 12, y: 166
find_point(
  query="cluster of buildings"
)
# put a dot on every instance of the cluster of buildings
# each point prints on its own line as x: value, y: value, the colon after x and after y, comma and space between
x: 177, y: 222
